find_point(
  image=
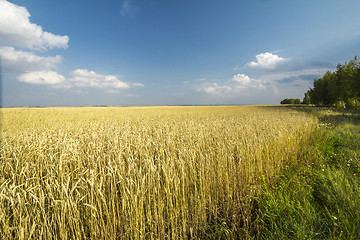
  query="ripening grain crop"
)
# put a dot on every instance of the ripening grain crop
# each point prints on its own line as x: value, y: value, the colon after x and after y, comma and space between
x: 141, y: 172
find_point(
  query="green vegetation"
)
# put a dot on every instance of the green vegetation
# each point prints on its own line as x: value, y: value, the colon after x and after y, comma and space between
x: 318, y: 197
x: 291, y: 101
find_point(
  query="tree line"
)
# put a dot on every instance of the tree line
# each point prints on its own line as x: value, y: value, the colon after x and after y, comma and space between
x: 291, y: 101
x: 340, y: 88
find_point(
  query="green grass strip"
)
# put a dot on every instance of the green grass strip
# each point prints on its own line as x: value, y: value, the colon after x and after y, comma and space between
x: 318, y: 198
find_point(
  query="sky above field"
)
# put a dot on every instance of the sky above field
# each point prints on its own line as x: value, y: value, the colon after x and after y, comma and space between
x: 170, y: 52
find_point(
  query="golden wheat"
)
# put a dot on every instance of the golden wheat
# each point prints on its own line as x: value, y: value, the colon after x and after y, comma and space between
x: 142, y: 172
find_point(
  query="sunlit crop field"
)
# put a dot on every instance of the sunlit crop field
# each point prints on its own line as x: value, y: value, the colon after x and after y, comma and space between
x: 141, y: 172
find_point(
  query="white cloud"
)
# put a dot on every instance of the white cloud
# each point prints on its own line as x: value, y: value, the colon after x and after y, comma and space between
x: 20, y: 61
x: 238, y: 83
x: 42, y: 77
x: 137, y: 85
x: 214, y: 88
x: 82, y: 78
x: 237, y: 68
x: 244, y: 81
x: 266, y: 61
x: 17, y: 30
x: 86, y: 78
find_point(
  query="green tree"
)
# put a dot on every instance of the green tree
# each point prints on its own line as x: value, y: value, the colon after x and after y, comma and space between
x: 307, y: 99
x: 343, y: 85
x: 291, y: 101
x: 297, y: 101
x: 316, y: 93
x: 285, y: 101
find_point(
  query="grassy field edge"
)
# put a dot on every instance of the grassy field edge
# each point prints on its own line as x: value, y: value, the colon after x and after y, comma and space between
x: 317, y: 198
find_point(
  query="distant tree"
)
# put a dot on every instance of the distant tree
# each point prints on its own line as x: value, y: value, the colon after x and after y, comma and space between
x: 285, y: 101
x: 297, y: 101
x: 354, y: 79
x: 307, y: 99
x: 341, y: 86
x: 357, y: 83
x: 291, y: 101
x: 316, y: 93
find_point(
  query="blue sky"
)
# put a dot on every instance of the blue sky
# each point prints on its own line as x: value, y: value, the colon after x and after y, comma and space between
x: 173, y: 52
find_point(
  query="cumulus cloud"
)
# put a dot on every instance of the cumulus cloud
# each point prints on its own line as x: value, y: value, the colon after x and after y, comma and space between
x: 81, y: 78
x: 20, y: 61
x: 42, y: 77
x: 230, y: 88
x: 86, y: 78
x: 214, y: 88
x: 244, y: 81
x: 17, y: 30
x: 266, y: 61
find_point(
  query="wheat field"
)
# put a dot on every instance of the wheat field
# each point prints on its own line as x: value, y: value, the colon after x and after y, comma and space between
x: 141, y: 172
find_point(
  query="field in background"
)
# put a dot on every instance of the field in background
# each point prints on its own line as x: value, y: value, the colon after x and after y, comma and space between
x: 142, y: 172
